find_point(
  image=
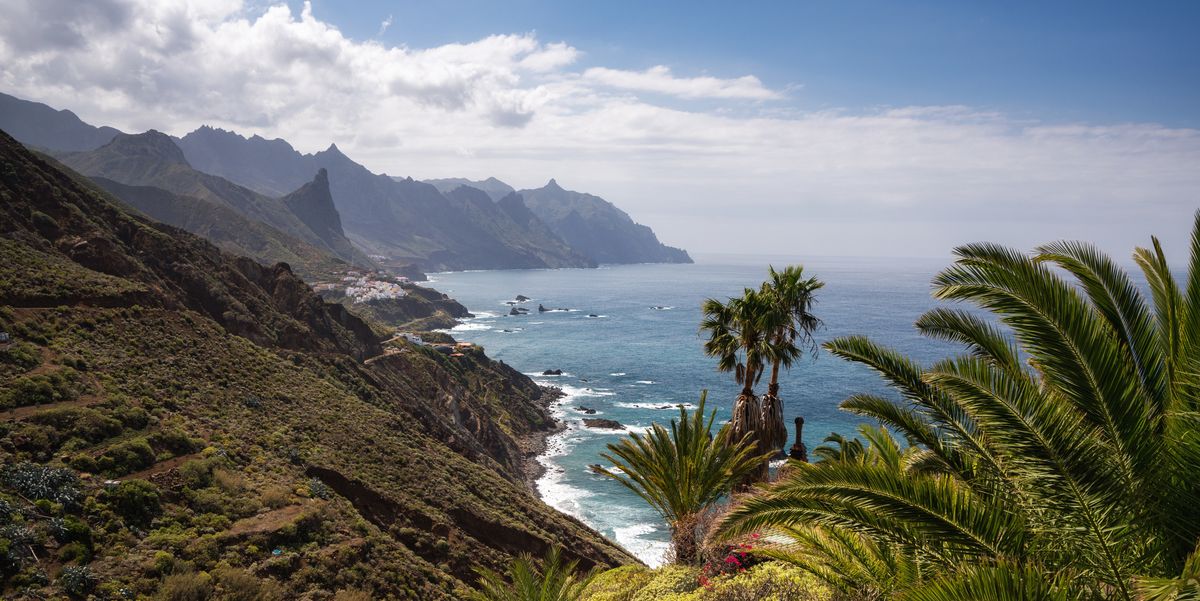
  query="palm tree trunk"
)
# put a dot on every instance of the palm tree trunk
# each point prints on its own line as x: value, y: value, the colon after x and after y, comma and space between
x: 684, y: 545
x: 773, y: 431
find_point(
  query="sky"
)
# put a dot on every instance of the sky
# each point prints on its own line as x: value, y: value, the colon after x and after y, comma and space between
x: 786, y: 128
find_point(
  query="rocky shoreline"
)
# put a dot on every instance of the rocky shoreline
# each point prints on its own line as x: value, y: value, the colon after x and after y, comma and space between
x: 533, y: 445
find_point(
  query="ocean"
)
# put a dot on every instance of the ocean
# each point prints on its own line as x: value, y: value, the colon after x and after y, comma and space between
x: 629, y: 347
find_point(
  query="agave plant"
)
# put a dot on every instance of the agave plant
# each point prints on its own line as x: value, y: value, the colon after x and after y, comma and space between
x: 682, y: 470
x: 526, y: 581
x: 1058, y: 457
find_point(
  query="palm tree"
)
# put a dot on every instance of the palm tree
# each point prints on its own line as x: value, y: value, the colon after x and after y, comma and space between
x: 681, y: 471
x: 1058, y: 457
x: 524, y: 581
x: 790, y: 326
x: 739, y: 337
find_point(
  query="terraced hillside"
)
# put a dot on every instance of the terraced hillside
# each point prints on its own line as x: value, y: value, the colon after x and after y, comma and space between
x: 177, y: 421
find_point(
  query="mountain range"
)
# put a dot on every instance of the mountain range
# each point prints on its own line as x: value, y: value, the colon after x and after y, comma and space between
x: 399, y: 221
x: 302, y: 226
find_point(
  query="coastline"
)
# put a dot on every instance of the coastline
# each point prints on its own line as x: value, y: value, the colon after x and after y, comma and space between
x: 534, y: 444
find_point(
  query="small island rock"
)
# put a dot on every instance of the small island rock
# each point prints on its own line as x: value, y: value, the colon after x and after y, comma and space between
x: 606, y: 424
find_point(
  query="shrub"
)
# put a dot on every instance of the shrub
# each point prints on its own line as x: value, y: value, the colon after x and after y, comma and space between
x: 768, y: 580
x: 229, y: 481
x: 74, y: 552
x: 34, y: 482
x: 619, y: 584
x: 238, y: 585
x: 352, y: 595
x: 77, y: 580
x: 276, y: 496
x: 669, y: 583
x: 173, y: 441
x: 71, y: 529
x: 127, y: 457
x: 136, y: 501
x: 319, y: 489
x: 189, y: 586
x: 21, y: 354
x: 40, y: 389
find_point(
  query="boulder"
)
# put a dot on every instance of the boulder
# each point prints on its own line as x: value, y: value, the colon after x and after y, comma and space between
x: 587, y: 410
x: 552, y: 372
x: 522, y: 298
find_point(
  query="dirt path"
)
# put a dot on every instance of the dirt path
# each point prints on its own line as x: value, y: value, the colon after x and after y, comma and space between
x: 23, y: 412
x: 270, y: 521
x: 161, y: 467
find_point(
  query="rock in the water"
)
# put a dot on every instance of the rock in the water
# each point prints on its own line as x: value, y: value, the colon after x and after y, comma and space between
x: 592, y: 315
x: 587, y: 410
x: 599, y: 422
x: 518, y: 311
x: 522, y: 298
x: 542, y: 308
x: 552, y: 372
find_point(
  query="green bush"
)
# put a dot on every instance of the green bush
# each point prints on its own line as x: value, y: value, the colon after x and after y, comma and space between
x: 233, y: 584
x: 71, y: 529
x: 34, y: 482
x: 40, y: 389
x: 74, y: 552
x: 619, y: 584
x: 127, y: 457
x: 77, y: 580
x: 174, y: 442
x: 189, y: 586
x: 136, y: 501
x: 670, y: 583
x: 769, y: 580
x: 21, y: 354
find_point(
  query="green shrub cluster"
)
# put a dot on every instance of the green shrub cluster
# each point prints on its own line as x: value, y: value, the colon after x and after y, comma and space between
x: 41, y: 389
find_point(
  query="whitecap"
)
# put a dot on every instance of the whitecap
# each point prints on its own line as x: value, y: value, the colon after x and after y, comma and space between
x: 632, y: 538
x: 617, y: 374
x: 646, y: 382
x: 470, y: 326
x: 657, y: 406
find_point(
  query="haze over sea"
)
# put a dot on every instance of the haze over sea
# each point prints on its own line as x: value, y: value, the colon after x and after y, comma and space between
x: 634, y: 362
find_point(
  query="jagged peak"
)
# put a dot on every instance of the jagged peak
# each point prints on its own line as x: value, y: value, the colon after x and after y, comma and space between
x: 553, y: 185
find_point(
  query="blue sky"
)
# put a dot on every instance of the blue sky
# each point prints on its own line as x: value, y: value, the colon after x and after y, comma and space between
x: 831, y: 127
x: 1065, y: 61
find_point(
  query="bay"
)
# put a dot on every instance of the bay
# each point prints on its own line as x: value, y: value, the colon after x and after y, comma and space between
x: 629, y: 346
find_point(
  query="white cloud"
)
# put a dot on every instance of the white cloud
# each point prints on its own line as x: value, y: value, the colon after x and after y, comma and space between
x: 383, y: 27
x: 659, y: 80
x: 752, y: 173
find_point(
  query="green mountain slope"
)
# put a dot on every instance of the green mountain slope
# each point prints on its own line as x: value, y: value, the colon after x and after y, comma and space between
x: 153, y: 159
x: 227, y: 228
x: 176, y: 418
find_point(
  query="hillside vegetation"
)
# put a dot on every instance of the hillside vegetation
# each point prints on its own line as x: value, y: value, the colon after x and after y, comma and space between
x: 181, y: 423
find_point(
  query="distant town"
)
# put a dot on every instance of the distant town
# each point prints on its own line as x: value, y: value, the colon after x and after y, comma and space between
x: 361, y: 287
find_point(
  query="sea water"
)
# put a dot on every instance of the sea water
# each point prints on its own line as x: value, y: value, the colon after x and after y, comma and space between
x: 628, y: 343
